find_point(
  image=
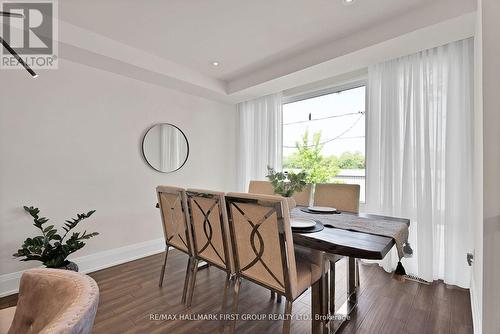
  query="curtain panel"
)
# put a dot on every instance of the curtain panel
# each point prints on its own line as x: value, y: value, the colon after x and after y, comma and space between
x: 420, y: 155
x: 259, y: 138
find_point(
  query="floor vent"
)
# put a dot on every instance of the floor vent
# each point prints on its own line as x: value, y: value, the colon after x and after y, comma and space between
x: 416, y: 279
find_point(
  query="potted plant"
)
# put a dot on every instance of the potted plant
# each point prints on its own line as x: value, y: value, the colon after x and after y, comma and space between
x: 52, y: 248
x: 287, y: 183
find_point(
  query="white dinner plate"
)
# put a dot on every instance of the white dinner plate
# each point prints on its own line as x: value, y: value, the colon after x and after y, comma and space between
x: 302, y: 223
x: 325, y: 209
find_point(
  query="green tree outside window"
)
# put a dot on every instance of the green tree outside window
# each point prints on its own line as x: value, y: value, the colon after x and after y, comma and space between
x: 320, y: 168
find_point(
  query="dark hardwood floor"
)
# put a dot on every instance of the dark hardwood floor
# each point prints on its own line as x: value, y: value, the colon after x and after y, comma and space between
x: 130, y: 296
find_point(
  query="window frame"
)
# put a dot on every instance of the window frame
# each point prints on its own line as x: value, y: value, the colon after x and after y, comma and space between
x: 326, y: 91
x: 331, y: 90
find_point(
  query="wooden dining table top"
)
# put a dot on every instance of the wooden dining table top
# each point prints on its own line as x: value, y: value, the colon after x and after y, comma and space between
x: 349, y: 243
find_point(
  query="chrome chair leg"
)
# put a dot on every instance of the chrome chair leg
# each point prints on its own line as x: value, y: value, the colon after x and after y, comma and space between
x: 276, y: 296
x: 193, y: 282
x: 162, y: 274
x: 288, y: 317
x: 224, y: 302
x: 186, y: 281
x: 235, y: 303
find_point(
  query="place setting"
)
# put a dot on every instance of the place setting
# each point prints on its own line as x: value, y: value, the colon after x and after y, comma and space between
x: 305, y: 225
x: 320, y: 210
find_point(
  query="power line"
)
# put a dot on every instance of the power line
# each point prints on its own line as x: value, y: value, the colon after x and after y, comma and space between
x: 328, y: 117
x: 335, y: 138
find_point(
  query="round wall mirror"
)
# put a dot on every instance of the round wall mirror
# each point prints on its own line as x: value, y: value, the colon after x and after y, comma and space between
x: 165, y: 147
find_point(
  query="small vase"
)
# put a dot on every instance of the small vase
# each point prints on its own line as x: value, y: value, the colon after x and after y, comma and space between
x: 68, y: 265
x: 291, y: 203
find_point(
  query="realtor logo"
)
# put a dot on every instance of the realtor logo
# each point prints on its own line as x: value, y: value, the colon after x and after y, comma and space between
x: 32, y: 34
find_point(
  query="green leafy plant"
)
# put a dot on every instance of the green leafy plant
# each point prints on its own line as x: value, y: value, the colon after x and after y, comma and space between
x: 286, y: 183
x: 50, y: 247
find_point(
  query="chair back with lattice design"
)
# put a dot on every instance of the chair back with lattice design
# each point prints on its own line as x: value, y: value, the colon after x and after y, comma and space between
x: 175, y: 218
x: 262, y: 241
x: 209, y: 227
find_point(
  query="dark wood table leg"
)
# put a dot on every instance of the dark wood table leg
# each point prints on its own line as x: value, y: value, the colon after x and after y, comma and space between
x: 319, y: 305
x: 342, y: 314
x: 332, y: 287
x: 357, y: 272
x: 352, y: 286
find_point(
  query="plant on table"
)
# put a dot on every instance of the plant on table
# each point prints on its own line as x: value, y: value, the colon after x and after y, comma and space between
x: 287, y: 183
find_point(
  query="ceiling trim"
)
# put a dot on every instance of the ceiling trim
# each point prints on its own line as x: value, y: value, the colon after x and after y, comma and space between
x: 430, y: 14
x: 432, y: 36
x: 85, y: 47
x: 325, y: 63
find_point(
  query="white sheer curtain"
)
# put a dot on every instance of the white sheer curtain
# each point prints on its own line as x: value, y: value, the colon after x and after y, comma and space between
x: 420, y: 156
x: 260, y: 138
x: 172, y: 150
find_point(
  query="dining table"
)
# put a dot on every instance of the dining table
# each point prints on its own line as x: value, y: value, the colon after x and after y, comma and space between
x: 338, y: 243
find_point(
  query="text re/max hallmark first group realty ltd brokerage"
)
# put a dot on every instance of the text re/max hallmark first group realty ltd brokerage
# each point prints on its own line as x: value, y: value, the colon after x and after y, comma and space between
x: 244, y: 317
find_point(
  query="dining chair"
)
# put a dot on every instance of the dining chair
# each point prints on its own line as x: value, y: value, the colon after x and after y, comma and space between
x: 343, y: 197
x: 175, y: 220
x: 260, y: 187
x: 210, y: 232
x: 263, y: 250
x: 266, y: 188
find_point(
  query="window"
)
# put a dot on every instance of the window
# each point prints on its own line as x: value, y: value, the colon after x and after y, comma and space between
x: 324, y: 133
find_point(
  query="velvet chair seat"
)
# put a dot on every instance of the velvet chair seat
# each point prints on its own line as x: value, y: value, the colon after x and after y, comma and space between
x: 52, y: 301
x: 6, y: 317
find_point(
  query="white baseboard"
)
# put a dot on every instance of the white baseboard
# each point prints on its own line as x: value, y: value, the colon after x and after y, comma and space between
x: 476, y: 308
x: 9, y: 283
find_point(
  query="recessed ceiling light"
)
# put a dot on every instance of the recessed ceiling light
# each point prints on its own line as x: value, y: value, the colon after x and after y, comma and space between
x: 215, y: 63
x: 348, y: 2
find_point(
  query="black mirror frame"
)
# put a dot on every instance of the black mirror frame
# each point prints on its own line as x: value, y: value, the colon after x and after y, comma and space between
x: 185, y: 138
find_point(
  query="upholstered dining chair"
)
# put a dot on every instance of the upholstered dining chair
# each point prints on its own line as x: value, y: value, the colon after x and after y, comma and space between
x: 343, y: 197
x: 210, y: 232
x: 266, y: 188
x: 263, y: 249
x: 52, y: 301
x: 175, y: 220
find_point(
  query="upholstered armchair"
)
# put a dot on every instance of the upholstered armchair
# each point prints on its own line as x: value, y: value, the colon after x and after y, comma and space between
x: 52, y: 301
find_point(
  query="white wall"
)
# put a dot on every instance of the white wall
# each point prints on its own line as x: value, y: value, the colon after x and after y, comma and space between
x: 70, y: 142
x: 491, y: 170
